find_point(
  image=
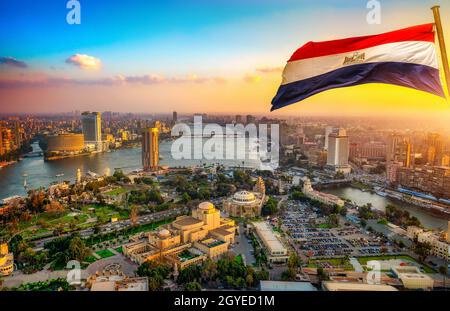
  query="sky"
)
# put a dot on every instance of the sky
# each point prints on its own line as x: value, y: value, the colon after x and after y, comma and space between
x: 191, y: 56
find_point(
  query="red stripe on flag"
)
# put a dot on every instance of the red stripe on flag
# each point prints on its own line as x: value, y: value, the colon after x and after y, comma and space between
x: 316, y: 49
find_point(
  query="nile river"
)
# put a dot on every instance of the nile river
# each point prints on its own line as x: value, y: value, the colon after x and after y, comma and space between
x: 379, y: 202
x: 40, y: 173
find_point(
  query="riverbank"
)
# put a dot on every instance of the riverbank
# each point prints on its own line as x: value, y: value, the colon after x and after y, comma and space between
x: 5, y: 164
x: 427, y: 218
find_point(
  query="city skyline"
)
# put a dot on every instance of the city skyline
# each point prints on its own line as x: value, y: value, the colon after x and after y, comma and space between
x: 210, y: 62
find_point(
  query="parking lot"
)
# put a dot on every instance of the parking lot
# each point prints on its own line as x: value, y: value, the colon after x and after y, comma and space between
x: 304, y: 225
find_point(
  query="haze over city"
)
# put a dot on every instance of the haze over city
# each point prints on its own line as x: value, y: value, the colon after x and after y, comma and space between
x: 139, y: 152
x: 221, y: 57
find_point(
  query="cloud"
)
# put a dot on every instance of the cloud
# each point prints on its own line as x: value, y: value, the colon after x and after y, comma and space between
x: 10, y: 61
x: 151, y: 79
x: 269, y: 69
x: 84, y: 61
x: 249, y: 78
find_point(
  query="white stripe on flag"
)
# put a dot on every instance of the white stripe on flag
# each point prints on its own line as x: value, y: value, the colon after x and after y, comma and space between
x: 414, y: 52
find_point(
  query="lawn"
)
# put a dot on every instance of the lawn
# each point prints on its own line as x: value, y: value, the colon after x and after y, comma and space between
x: 116, y: 191
x: 119, y: 249
x: 324, y: 226
x: 104, y: 213
x: 105, y: 253
x: 335, y: 262
x: 90, y: 259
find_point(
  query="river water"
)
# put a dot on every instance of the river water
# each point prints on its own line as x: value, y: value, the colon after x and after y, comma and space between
x: 40, y: 173
x: 379, y: 202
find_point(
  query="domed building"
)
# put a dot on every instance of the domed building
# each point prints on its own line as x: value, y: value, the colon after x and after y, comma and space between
x: 245, y: 203
x: 187, y: 240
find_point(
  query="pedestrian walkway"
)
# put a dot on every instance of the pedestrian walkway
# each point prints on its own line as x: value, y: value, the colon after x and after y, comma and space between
x: 356, y: 265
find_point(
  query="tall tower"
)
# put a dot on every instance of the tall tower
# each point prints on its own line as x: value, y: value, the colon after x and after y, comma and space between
x: 328, y: 131
x: 435, y: 149
x: 92, y: 127
x: 78, y: 176
x: 174, y: 117
x: 1, y: 141
x: 150, y: 148
x: 338, y: 151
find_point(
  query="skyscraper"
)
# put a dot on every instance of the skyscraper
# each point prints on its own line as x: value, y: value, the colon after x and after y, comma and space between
x: 238, y: 119
x: 338, y: 151
x: 435, y: 149
x: 1, y: 142
x: 398, y: 154
x: 92, y: 128
x: 150, y: 149
x: 328, y: 131
x: 174, y: 117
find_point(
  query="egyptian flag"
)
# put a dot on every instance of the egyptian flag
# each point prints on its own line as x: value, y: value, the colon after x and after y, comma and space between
x: 405, y: 57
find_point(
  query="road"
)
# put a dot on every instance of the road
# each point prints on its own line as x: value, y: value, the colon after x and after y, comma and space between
x: 244, y: 247
x: 119, y: 225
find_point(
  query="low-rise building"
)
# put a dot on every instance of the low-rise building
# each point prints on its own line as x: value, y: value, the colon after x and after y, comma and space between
x: 356, y: 287
x: 286, y: 286
x: 440, y: 247
x: 116, y: 281
x: 325, y: 198
x: 275, y: 250
x: 412, y: 278
x: 6, y: 260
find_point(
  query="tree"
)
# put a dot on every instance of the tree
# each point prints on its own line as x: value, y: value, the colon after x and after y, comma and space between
x: 78, y: 249
x: 134, y: 215
x: 289, y: 274
x: 294, y: 261
x: 156, y: 273
x: 193, y: 286
x: 270, y: 207
x: 422, y: 250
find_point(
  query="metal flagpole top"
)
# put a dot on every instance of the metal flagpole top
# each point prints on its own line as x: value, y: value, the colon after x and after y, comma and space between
x: 440, y: 35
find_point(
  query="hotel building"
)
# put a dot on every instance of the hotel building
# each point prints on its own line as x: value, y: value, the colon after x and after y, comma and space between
x: 338, y: 151
x: 92, y: 129
x: 150, y: 149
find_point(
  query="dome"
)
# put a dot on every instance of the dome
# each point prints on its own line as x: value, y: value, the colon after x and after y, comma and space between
x: 164, y: 233
x: 206, y: 206
x: 244, y: 197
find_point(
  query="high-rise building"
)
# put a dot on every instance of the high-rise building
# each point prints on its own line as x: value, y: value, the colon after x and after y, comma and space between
x: 92, y: 127
x: 238, y: 119
x: 1, y: 142
x: 398, y: 154
x: 328, y: 131
x: 174, y: 117
x: 150, y: 148
x: 435, y: 149
x: 78, y: 176
x: 250, y: 119
x: 338, y: 151
x: 17, y: 135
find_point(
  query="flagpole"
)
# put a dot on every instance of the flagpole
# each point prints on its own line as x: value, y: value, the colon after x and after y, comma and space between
x: 440, y: 34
